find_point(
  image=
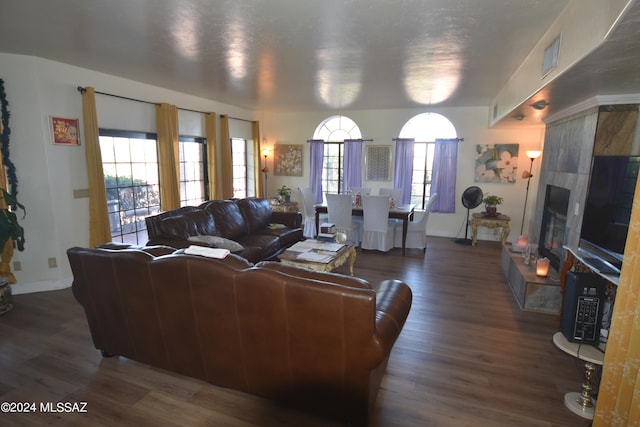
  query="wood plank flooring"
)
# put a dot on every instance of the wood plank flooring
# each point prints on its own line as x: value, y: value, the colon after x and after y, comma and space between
x: 467, y: 356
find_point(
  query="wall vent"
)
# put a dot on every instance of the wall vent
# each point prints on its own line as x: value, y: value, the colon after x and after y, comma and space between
x: 551, y: 53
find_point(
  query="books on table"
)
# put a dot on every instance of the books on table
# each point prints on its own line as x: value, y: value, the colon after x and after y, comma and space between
x: 327, y: 237
x: 328, y: 228
x: 315, y: 245
x: 315, y: 257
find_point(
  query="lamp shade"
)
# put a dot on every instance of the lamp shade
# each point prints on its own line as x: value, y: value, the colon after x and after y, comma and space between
x: 533, y: 154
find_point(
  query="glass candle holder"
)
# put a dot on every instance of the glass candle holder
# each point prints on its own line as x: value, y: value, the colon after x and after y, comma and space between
x: 542, y: 267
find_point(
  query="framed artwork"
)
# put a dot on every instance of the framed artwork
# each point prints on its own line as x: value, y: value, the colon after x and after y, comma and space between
x: 287, y: 160
x: 496, y: 163
x: 65, y: 131
x: 378, y: 163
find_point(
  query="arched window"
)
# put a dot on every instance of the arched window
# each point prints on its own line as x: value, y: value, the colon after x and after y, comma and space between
x: 425, y: 128
x: 334, y: 131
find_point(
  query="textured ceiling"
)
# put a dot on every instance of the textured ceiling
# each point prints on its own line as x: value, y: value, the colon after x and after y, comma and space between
x: 294, y: 55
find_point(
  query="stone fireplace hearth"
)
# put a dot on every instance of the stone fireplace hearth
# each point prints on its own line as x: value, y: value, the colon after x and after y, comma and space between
x: 533, y: 293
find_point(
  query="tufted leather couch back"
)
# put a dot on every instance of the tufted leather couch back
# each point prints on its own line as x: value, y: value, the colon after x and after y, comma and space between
x: 320, y: 341
x: 242, y: 220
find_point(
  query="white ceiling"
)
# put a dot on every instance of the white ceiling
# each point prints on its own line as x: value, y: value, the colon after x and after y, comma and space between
x: 309, y: 55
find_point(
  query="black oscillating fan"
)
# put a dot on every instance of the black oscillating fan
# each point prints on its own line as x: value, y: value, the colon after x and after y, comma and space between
x: 471, y: 199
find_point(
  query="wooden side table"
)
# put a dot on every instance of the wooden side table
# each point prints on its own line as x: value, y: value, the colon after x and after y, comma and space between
x: 581, y: 403
x: 483, y: 220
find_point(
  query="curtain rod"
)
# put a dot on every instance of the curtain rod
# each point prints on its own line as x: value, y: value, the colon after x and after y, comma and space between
x: 83, y: 90
x: 459, y: 139
x: 367, y: 140
x: 236, y: 118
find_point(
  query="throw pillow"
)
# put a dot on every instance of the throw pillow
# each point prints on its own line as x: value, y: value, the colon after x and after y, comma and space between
x: 218, y: 242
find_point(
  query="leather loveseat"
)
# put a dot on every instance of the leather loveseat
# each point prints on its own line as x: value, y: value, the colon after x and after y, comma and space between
x: 315, y: 341
x: 243, y: 225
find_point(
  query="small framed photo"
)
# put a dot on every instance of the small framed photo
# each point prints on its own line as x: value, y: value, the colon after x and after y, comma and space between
x: 65, y: 131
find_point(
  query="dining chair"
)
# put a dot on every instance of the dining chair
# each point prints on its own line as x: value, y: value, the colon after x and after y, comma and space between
x: 364, y: 191
x: 339, y: 208
x: 309, y: 212
x: 378, y: 230
x: 416, y: 230
x: 394, y: 193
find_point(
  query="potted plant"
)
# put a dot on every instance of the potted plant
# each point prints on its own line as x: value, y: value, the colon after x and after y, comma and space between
x: 491, y: 203
x: 9, y: 226
x: 285, y: 193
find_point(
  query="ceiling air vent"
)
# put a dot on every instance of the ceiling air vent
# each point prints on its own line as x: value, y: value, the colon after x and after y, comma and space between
x: 495, y: 111
x: 551, y: 53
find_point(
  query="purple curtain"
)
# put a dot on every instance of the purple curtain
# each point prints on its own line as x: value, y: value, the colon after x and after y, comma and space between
x: 352, y: 164
x: 404, y: 167
x: 315, y: 178
x: 443, y: 179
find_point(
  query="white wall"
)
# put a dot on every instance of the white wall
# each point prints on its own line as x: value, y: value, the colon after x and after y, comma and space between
x: 48, y: 174
x: 384, y: 125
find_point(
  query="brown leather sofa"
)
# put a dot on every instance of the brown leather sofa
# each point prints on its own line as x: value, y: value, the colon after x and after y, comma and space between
x: 316, y: 341
x: 245, y: 221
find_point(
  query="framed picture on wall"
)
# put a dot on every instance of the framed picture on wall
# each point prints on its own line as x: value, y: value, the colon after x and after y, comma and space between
x: 287, y: 159
x: 496, y: 163
x: 378, y: 163
x: 65, y: 131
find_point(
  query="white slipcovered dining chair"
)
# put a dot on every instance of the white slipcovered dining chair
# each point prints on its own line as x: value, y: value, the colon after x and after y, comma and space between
x: 364, y: 191
x: 378, y: 230
x: 339, y: 207
x: 416, y: 230
x: 309, y: 212
x: 394, y: 193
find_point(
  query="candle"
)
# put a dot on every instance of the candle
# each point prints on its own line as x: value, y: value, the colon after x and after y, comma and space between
x: 542, y: 267
x: 522, y: 242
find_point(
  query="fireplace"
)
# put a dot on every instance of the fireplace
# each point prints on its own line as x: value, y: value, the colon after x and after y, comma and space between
x: 554, y: 221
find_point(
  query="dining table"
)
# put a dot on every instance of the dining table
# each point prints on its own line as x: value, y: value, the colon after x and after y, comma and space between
x: 402, y: 212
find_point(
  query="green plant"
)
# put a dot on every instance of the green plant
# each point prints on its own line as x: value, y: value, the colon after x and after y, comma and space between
x: 284, y: 191
x: 9, y: 226
x: 492, y: 200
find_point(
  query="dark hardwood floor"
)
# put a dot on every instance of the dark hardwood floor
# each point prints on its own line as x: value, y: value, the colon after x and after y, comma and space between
x: 467, y: 356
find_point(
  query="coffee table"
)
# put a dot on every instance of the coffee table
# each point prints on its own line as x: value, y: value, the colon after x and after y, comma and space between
x: 332, y: 260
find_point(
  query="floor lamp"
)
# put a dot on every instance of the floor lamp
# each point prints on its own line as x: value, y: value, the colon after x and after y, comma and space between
x: 265, y: 169
x: 531, y: 154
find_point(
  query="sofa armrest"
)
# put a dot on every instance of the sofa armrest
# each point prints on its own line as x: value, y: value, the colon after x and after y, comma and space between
x: 290, y: 219
x: 393, y: 302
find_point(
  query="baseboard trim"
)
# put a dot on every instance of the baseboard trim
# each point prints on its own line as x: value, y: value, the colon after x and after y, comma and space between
x: 47, y: 285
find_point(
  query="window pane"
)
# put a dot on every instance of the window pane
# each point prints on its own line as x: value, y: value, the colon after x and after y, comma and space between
x: 150, y: 151
x: 106, y: 150
x: 127, y: 175
x: 121, y: 150
x: 425, y: 129
x: 239, y: 167
x: 192, y: 176
x: 334, y: 130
